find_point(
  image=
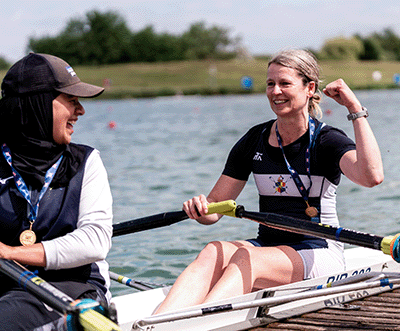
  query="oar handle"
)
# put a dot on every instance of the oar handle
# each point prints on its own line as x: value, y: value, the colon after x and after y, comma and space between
x: 227, y: 207
x: 92, y: 320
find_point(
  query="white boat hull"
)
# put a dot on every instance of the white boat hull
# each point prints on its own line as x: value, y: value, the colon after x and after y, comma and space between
x: 140, y: 305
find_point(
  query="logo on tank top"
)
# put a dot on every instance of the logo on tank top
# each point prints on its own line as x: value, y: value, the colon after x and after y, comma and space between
x: 279, y: 184
x: 258, y: 156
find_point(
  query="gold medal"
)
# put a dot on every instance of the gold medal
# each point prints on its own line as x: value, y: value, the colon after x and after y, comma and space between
x: 311, y: 211
x: 27, y: 237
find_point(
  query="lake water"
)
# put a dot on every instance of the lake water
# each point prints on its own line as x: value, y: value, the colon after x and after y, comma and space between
x: 164, y: 151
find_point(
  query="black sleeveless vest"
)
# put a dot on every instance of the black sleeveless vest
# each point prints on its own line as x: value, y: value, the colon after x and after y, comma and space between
x: 57, y: 216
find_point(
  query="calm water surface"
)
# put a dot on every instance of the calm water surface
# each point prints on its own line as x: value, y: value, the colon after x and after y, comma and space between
x: 166, y: 150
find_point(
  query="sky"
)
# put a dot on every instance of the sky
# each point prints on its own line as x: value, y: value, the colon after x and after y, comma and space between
x: 264, y: 26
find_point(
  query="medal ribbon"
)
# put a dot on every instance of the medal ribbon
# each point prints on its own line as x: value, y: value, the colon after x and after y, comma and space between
x: 19, y: 182
x: 299, y: 183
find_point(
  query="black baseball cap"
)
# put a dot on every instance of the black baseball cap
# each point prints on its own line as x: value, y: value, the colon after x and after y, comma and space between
x: 38, y: 73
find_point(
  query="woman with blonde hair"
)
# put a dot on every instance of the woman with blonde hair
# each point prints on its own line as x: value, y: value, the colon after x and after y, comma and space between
x: 296, y: 161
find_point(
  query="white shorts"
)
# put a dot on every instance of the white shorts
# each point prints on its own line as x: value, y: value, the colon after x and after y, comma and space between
x: 318, y: 262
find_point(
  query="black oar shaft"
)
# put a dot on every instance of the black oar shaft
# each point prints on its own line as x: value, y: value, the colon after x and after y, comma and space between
x: 149, y: 222
x: 87, y: 319
x: 155, y: 221
x: 313, y: 229
x: 35, y: 285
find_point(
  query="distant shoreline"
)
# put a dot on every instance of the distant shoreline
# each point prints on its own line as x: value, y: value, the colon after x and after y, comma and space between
x: 209, y: 77
x: 110, y: 95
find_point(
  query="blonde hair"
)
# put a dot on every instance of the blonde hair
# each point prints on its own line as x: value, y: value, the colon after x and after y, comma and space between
x: 305, y: 63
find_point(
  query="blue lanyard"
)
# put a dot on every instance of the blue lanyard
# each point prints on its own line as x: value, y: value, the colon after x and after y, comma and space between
x: 19, y: 182
x: 299, y: 183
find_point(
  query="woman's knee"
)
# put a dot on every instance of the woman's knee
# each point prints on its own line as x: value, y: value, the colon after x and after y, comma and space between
x: 243, y: 253
x: 210, y: 252
x: 216, y: 254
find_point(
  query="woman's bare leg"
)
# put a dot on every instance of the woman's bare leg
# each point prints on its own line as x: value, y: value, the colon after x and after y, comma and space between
x: 195, y: 282
x: 259, y: 267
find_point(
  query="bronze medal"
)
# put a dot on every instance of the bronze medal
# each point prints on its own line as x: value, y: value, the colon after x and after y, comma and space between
x: 27, y: 238
x: 311, y: 212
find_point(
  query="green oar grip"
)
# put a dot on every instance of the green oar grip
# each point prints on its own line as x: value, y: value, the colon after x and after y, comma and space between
x: 90, y: 317
x: 227, y: 207
x: 91, y: 320
x: 385, y: 245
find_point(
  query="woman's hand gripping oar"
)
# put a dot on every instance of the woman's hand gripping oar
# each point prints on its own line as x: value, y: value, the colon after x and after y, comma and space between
x: 156, y: 221
x: 168, y: 218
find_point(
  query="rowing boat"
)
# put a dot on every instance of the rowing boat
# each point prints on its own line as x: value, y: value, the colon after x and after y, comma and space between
x: 368, y: 272
x: 371, y: 269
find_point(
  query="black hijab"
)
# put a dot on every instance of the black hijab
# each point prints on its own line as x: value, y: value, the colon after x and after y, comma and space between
x: 27, y: 129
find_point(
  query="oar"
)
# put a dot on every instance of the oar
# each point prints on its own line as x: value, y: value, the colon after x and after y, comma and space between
x: 160, y: 220
x: 141, y: 286
x: 388, y: 245
x: 144, y: 323
x: 79, y: 315
x: 168, y: 218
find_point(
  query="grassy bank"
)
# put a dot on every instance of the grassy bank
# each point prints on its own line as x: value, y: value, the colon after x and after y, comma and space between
x: 218, y: 77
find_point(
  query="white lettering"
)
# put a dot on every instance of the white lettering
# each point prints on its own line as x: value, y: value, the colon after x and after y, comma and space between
x: 258, y: 156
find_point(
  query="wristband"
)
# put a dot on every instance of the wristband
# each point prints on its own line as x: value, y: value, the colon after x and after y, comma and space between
x: 362, y: 113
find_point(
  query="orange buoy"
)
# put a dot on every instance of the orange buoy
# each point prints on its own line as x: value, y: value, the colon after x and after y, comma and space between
x: 112, y: 124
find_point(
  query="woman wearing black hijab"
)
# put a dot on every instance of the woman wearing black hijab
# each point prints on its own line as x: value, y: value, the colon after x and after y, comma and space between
x: 55, y: 200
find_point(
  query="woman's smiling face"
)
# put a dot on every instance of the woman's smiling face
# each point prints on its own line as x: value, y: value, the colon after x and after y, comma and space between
x: 286, y: 91
x: 66, y: 109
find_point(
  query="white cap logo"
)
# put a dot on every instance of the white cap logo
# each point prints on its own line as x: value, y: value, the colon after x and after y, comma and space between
x: 70, y: 71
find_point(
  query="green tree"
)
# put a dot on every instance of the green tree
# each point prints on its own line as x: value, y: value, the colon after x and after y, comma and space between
x: 69, y: 45
x: 4, y: 64
x: 200, y: 42
x: 97, y: 39
x: 107, y: 38
x: 390, y: 43
x: 342, y: 49
x: 373, y: 51
x: 144, y: 45
x: 102, y: 38
x: 170, y: 48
